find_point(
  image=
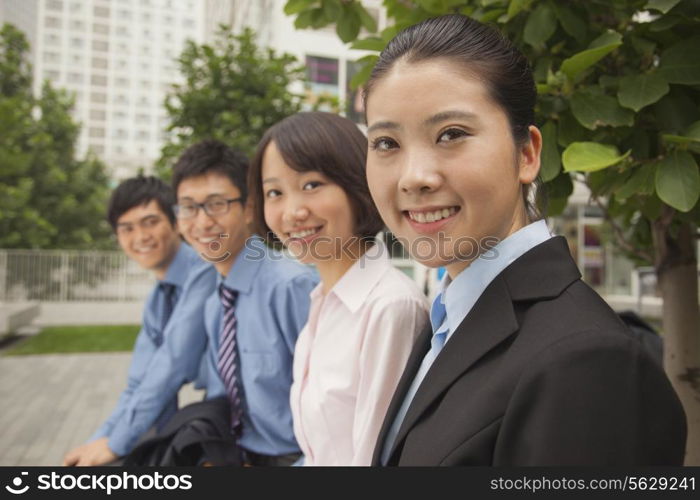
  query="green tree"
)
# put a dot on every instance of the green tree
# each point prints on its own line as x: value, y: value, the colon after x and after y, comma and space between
x: 48, y: 197
x: 233, y: 91
x: 619, y: 108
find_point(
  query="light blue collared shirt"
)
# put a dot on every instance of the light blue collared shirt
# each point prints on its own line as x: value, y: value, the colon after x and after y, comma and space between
x: 158, y: 371
x: 271, y: 309
x: 457, y: 297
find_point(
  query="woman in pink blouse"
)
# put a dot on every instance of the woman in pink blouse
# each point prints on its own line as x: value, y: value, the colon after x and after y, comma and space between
x: 308, y: 185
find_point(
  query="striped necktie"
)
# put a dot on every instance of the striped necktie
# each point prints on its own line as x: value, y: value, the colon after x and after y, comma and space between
x: 228, y: 356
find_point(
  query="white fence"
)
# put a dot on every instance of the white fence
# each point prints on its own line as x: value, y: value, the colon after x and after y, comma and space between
x: 71, y: 276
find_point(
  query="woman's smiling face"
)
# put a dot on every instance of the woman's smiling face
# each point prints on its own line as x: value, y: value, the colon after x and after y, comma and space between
x: 311, y: 215
x: 442, y: 166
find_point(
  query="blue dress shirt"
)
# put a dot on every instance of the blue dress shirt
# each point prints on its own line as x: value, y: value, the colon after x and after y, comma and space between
x: 271, y: 309
x: 158, y: 371
x: 457, y: 297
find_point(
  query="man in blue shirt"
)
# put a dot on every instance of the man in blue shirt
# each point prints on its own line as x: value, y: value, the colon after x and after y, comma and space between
x: 172, y: 341
x: 258, y: 310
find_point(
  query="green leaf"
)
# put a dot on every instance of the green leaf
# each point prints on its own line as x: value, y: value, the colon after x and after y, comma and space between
x: 558, y: 192
x: 305, y: 19
x: 332, y: 9
x: 662, y: 5
x: 593, y: 110
x: 348, y: 26
x: 572, y: 24
x: 371, y: 43
x: 363, y: 75
x: 639, y: 91
x: 693, y: 131
x: 590, y: 156
x: 550, y: 159
x: 664, y: 23
x: 675, y: 111
x: 295, y: 6
x: 516, y: 6
x: 681, y: 63
x: 540, y: 26
x: 641, y: 182
x: 576, y: 64
x: 678, y: 181
x: 366, y: 19
x: 570, y: 130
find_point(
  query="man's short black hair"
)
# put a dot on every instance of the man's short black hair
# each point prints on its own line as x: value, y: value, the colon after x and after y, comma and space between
x: 138, y: 191
x: 211, y: 155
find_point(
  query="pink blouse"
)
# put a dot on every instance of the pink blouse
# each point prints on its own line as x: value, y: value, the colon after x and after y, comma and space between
x: 349, y: 358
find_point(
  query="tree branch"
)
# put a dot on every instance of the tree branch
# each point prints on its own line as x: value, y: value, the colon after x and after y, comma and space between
x: 620, y: 236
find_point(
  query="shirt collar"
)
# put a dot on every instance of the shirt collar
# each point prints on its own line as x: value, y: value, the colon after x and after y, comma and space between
x: 460, y: 295
x: 355, y: 285
x: 245, y: 267
x: 179, y: 268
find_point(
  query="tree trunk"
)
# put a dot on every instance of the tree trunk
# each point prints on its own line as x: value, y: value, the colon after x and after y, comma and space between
x: 677, y: 272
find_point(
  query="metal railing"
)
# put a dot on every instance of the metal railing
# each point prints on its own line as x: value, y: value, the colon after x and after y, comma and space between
x: 71, y: 276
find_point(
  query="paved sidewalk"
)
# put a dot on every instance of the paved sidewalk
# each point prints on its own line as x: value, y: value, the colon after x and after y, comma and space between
x: 50, y: 403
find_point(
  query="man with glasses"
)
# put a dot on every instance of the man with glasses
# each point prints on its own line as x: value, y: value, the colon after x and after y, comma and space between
x: 172, y: 340
x: 260, y: 305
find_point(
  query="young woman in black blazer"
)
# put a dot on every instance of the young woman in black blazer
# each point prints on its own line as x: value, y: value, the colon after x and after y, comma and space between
x: 523, y: 363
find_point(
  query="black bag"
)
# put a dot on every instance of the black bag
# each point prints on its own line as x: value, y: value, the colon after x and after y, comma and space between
x: 198, y: 434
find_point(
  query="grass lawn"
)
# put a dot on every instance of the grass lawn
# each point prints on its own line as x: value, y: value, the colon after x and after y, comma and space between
x: 63, y: 339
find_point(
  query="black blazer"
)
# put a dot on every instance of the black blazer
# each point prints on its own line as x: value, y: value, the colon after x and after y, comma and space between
x: 540, y: 372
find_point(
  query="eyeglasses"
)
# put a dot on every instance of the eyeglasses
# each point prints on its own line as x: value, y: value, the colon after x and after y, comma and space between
x: 213, y: 207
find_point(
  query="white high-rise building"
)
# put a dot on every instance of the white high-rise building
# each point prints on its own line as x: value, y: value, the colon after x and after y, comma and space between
x: 330, y: 64
x: 118, y: 58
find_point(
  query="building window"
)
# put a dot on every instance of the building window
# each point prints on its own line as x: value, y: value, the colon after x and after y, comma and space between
x: 122, y: 82
x: 143, y: 135
x: 122, y: 30
x: 52, y: 75
x: 98, y: 149
x: 52, y: 22
x: 76, y: 25
x: 99, y: 62
x: 76, y: 6
x: 96, y: 132
x: 124, y: 14
x: 54, y: 4
x: 76, y: 43
x: 102, y: 29
x: 98, y: 114
x: 51, y: 57
x: 100, y: 46
x: 52, y: 39
x: 99, y: 80
x: 142, y: 118
x: 322, y: 79
x: 75, y: 78
x: 101, y: 11
x: 98, y: 97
